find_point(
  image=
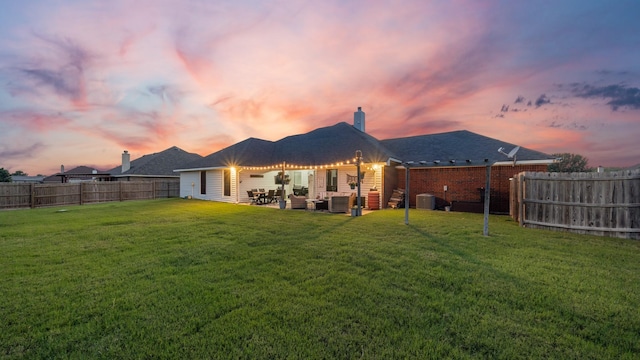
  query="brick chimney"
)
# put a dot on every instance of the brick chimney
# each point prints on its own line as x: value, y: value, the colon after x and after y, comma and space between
x: 358, y: 119
x: 126, y: 161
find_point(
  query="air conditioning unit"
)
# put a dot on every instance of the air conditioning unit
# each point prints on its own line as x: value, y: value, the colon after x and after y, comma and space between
x: 425, y: 201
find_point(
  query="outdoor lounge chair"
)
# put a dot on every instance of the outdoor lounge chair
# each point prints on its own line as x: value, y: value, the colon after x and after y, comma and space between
x: 298, y: 202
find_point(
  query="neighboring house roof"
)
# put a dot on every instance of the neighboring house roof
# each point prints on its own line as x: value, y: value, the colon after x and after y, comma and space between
x: 158, y: 164
x: 27, y: 179
x: 80, y: 172
x: 460, y: 146
x: 339, y: 142
x: 321, y: 146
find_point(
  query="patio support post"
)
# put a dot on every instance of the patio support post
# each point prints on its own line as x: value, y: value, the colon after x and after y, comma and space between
x: 359, y: 201
x: 406, y: 194
x: 282, y: 198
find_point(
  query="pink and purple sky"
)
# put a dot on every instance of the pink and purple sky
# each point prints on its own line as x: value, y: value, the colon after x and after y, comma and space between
x: 81, y: 81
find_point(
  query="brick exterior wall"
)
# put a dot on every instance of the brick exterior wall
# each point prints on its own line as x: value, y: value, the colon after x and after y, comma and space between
x: 463, y: 185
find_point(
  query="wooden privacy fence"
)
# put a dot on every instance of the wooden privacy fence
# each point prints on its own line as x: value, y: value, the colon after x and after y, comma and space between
x: 41, y: 195
x: 605, y: 204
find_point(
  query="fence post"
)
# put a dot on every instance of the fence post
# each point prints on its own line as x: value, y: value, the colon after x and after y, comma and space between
x: 153, y: 189
x: 82, y: 193
x: 120, y: 190
x: 32, y: 201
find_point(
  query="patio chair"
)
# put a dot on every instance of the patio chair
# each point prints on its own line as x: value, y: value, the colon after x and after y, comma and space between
x: 278, y: 194
x: 251, y: 196
x: 271, y: 196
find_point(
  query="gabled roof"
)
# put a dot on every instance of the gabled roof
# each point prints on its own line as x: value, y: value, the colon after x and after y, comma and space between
x: 459, y: 146
x: 328, y: 145
x: 325, y: 145
x: 158, y: 164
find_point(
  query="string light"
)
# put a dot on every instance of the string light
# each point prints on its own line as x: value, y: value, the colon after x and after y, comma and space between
x: 300, y: 167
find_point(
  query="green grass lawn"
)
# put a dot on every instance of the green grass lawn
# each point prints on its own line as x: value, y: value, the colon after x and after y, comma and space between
x: 193, y: 279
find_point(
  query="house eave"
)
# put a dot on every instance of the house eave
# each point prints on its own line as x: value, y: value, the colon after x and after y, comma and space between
x: 202, y: 169
x: 479, y: 163
x: 143, y: 176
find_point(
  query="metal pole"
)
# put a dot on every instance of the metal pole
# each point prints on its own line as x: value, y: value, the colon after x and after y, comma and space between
x: 487, y: 192
x: 284, y: 164
x: 358, y: 200
x: 406, y: 195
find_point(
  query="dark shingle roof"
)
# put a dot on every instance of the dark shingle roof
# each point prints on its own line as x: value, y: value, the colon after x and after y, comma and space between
x: 457, y: 145
x: 162, y: 163
x: 339, y: 142
x: 250, y: 152
x: 328, y: 145
x: 319, y: 147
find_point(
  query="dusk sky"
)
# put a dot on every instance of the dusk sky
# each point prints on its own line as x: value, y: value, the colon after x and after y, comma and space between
x: 81, y: 81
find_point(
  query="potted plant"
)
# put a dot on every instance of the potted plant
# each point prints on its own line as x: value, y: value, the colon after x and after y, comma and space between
x: 353, y: 184
x: 278, y: 179
x: 355, y: 212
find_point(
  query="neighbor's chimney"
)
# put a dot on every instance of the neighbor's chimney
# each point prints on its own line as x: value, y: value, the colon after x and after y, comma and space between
x: 61, y: 169
x: 126, y: 164
x: 358, y: 119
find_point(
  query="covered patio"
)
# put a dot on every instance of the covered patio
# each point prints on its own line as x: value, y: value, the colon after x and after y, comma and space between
x: 315, y: 187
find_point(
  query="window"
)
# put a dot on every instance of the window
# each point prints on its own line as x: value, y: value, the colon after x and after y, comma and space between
x: 227, y: 182
x: 297, y: 178
x: 203, y: 182
x: 332, y: 180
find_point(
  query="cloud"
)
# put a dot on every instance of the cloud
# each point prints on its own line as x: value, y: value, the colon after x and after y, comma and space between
x: 18, y: 153
x: 166, y: 93
x: 542, y: 100
x: 62, y: 69
x: 570, y: 125
x: 619, y: 95
x: 34, y: 121
x: 519, y: 99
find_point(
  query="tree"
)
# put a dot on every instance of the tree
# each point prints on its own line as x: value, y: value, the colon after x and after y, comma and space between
x: 19, y: 173
x: 4, y: 175
x: 570, y: 163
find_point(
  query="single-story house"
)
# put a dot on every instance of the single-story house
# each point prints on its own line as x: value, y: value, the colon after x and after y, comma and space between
x: 76, y: 175
x: 150, y: 167
x: 156, y: 166
x: 451, y: 166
